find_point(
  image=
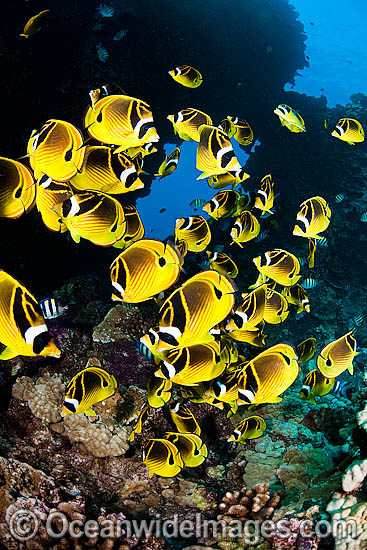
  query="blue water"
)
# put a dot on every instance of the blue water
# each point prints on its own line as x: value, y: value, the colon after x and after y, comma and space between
x: 337, y: 49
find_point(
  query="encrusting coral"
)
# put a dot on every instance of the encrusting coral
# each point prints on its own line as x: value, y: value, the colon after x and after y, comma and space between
x: 354, y: 475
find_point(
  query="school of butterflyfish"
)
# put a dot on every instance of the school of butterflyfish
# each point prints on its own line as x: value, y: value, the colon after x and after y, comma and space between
x: 196, y: 346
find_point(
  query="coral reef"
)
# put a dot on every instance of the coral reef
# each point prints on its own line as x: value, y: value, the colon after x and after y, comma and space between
x: 255, y: 503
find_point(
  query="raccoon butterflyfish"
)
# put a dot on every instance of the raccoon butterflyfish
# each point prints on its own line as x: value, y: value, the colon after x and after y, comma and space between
x: 162, y: 457
x: 182, y: 247
x: 23, y: 329
x: 280, y: 266
x: 86, y: 388
x: 144, y: 270
x: 150, y: 341
x: 223, y: 204
x: 222, y: 263
x: 306, y: 350
x: 245, y: 202
x: 245, y: 228
x: 227, y: 125
x: 250, y: 312
x: 191, y: 448
x: 33, y: 24
x: 349, y: 130
x: 290, y: 118
x: 193, y: 309
x: 268, y: 375
x: 276, y: 307
x: 143, y: 150
x: 138, y: 426
x: 193, y: 364
x: 134, y: 229
x: 169, y: 164
x: 254, y: 335
x: 186, y: 123
x: 225, y: 387
x: 195, y: 231
x: 297, y: 296
x: 215, y: 153
x: 311, y: 249
x: 313, y: 218
x: 56, y: 150
x: 121, y: 120
x: 219, y: 181
x: 17, y: 189
x: 94, y: 216
x: 187, y: 76
x: 251, y: 427
x: 243, y: 134
x: 337, y: 356
x: 228, y: 350
x: 46, y: 200
x: 158, y: 392
x: 317, y: 385
x: 106, y: 172
x: 264, y: 200
x: 183, y: 419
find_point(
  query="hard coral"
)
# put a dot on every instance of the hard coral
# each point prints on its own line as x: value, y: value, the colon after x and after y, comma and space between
x: 255, y: 503
x: 122, y: 323
x: 45, y: 396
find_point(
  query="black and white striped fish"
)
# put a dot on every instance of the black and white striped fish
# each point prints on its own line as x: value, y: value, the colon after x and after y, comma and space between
x: 51, y: 309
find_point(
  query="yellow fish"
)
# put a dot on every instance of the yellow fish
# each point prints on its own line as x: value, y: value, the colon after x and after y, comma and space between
x: 33, y: 24
x: 297, y: 296
x: 144, y: 270
x: 142, y: 418
x: 143, y: 150
x: 150, y: 340
x: 223, y: 180
x: 169, y: 164
x: 290, y: 118
x: 162, y: 457
x: 186, y: 123
x: 56, y: 150
x: 316, y: 385
x: 306, y: 350
x: 183, y: 419
x: 195, y: 231
x: 106, y: 172
x: 246, y: 227
x: 337, y: 356
x: 254, y: 335
x: 264, y: 200
x: 215, y: 153
x: 251, y: 427
x: 268, y: 375
x: 227, y: 125
x: 311, y: 249
x: 86, y: 388
x: 225, y: 387
x: 187, y: 76
x: 48, y: 196
x: 191, y: 365
x: 276, y: 307
x: 94, y: 216
x: 158, y: 392
x: 243, y: 134
x: 23, y: 329
x: 17, y: 189
x: 193, y: 309
x: 349, y: 130
x: 251, y: 312
x: 191, y: 448
x: 121, y: 120
x: 280, y: 266
x: 222, y: 263
x: 134, y: 229
x: 313, y: 218
x: 223, y: 204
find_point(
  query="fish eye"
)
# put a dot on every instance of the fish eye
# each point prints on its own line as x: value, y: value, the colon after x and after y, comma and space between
x: 18, y: 193
x: 162, y: 262
x: 99, y: 117
x: 168, y: 339
x: 238, y: 321
x: 68, y: 155
x: 41, y: 341
x: 328, y: 363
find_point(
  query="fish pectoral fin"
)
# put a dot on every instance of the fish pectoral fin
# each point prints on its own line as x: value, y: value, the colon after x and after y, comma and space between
x: 119, y: 149
x: 8, y: 353
x: 350, y: 368
x: 313, y: 401
x: 74, y: 236
x: 90, y: 412
x: 275, y: 400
